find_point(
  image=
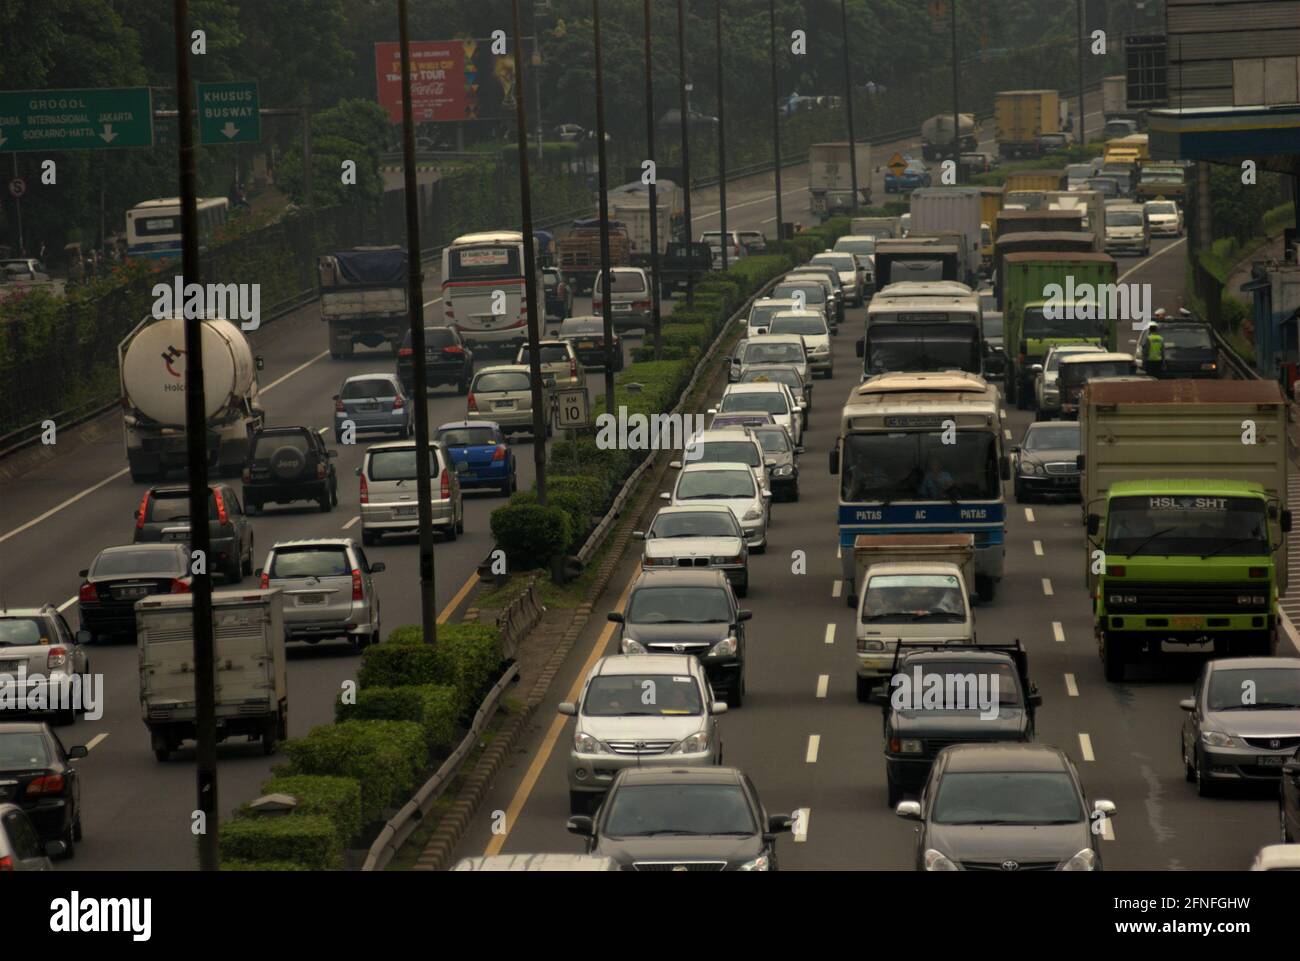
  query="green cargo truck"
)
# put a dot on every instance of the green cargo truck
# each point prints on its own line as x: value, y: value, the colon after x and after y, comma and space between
x: 1184, y: 499
x: 1029, y: 332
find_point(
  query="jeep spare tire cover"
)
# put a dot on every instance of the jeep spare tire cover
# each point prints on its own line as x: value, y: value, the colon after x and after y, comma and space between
x: 287, y: 462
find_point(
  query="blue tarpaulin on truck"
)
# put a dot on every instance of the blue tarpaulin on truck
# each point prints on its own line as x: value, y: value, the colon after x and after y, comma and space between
x: 372, y: 266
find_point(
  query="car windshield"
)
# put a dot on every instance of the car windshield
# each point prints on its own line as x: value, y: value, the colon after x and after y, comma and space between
x: 920, y: 466
x: 705, y: 484
x: 1074, y: 374
x: 23, y: 749
x: 625, y: 282
x: 1055, y: 437
x: 760, y: 314
x: 905, y: 598
x: 814, y: 326
x: 678, y: 605
x: 1187, y: 338
x: 370, y: 387
x: 643, y: 810
x: 758, y: 352
x: 175, y: 506
x: 812, y: 293
x: 1162, y: 208
x: 582, y: 328
x: 964, y: 686
x: 1055, y: 357
x: 774, y: 441
x: 397, y: 464
x: 770, y: 401
x: 695, y: 524
x: 434, y: 338
x: 509, y: 380
x: 1181, y: 525
x: 862, y: 246
x: 137, y: 561
x: 1006, y: 797
x: 484, y: 263
x: 469, y: 437
x: 923, y: 347
x: 1123, y: 218
x: 642, y: 695
x: 767, y: 375
x: 309, y: 562
x: 838, y: 261
x: 1270, y: 689
x: 723, y: 451
x: 548, y: 354
x: 22, y: 631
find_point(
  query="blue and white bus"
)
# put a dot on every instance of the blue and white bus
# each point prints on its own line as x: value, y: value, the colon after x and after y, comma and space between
x: 922, y: 453
x: 153, y: 227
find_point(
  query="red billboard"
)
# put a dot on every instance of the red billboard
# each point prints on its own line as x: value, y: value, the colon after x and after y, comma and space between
x: 450, y: 80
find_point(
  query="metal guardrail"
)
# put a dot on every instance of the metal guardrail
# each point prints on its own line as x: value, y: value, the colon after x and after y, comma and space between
x: 402, y: 825
x: 1235, y: 362
x: 519, y: 617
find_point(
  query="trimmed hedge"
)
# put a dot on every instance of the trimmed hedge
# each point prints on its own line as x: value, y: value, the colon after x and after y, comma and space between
x: 435, y: 707
x: 337, y: 798
x: 466, y: 657
x: 530, y: 534
x: 386, y: 757
x: 234, y: 865
x: 309, y: 840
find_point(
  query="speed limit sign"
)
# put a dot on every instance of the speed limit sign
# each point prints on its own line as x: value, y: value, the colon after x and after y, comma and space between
x: 571, y: 408
x: 17, y: 187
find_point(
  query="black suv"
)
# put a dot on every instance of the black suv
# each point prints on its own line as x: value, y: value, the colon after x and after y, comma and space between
x: 290, y: 464
x: 446, y: 360
x: 916, y: 730
x: 164, y: 517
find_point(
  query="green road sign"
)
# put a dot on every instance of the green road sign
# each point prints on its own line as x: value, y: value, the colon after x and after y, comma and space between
x: 228, y: 112
x: 95, y: 119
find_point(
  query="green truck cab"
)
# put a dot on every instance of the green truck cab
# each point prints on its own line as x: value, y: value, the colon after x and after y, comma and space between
x: 1184, y: 500
x: 1081, y: 285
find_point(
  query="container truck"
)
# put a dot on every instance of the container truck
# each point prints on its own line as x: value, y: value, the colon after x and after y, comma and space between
x: 1035, y: 180
x: 634, y: 213
x: 1035, y: 240
x: 936, y: 135
x: 252, y: 695
x: 579, y: 251
x: 1026, y: 221
x: 1185, y: 488
x: 908, y: 259
x: 1021, y: 116
x: 956, y: 211
x: 1089, y: 202
x: 830, y: 181
x: 1167, y: 180
x: 1028, y: 330
x: 991, y: 201
x: 363, y: 297
x: 876, y: 226
x: 151, y: 369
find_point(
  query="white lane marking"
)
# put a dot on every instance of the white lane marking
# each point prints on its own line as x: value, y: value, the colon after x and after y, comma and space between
x: 766, y: 199
x: 1085, y: 745
x: 799, y: 833
x: 68, y: 603
x: 351, y: 522
x: 1107, y: 831
x: 837, y: 587
x: 67, y: 503
x: 1047, y: 586
x: 1160, y: 253
x: 430, y: 303
x: 90, y: 745
x: 830, y: 633
x: 1038, y: 548
x: 814, y: 742
x: 1058, y: 632
x: 839, y: 552
x: 1029, y: 514
x: 823, y: 681
x: 301, y: 367
x: 1071, y: 688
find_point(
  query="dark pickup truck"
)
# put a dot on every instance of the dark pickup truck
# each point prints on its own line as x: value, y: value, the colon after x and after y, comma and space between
x: 680, y: 261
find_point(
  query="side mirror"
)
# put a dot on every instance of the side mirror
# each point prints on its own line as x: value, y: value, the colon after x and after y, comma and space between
x: 835, y: 460
x: 744, y: 615
x: 614, y: 616
x: 665, y: 496
x: 1035, y: 700
x: 880, y: 695
x: 78, y: 752
x: 1005, y: 465
x: 1078, y: 461
x: 568, y: 709
x: 1094, y: 524
x: 83, y: 572
x: 779, y: 823
x: 860, y: 347
x: 55, y: 849
x: 84, y: 636
x: 718, y: 707
x: 712, y: 410
x: 357, y: 471
x: 675, y: 464
x: 638, y: 535
x: 1104, y: 807
x: 257, y: 362
x: 1286, y: 522
x: 799, y: 449
x: 767, y: 494
x: 1036, y: 369
x: 580, y: 825
x: 909, y: 810
x: 1187, y: 704
x: 258, y: 572
x: 335, y: 397
x: 378, y: 567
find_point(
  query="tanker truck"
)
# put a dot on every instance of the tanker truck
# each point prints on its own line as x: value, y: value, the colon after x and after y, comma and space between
x: 151, y: 364
x: 936, y: 135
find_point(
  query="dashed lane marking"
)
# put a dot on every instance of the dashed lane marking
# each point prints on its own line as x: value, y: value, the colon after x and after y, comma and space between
x: 823, y: 681
x: 1029, y: 514
x: 1085, y: 745
x: 1058, y: 632
x: 837, y: 587
x: 830, y: 633
x: 1071, y: 688
x: 351, y: 522
x: 1047, y: 586
x: 799, y: 833
x: 814, y: 743
x: 1038, y: 548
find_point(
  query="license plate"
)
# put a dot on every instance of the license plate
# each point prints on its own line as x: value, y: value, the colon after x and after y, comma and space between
x: 130, y: 592
x: 1187, y: 623
x: 622, y: 306
x: 367, y: 407
x: 503, y: 404
x: 9, y: 667
x: 1272, y: 760
x: 305, y: 599
x: 405, y: 511
x: 171, y: 536
x: 585, y: 345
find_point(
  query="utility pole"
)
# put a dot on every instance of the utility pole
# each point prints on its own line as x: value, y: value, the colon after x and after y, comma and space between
x: 415, y: 305
x: 606, y: 275
x: 1078, y: 9
x: 196, y: 435
x: 684, y: 109
x: 540, y: 413
x: 724, y: 240
x: 848, y: 105
x: 654, y: 201
x: 956, y: 116
x: 776, y: 120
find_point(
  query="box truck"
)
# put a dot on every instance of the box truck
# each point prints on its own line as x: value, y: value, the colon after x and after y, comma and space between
x: 1021, y: 116
x: 955, y: 212
x: 830, y: 181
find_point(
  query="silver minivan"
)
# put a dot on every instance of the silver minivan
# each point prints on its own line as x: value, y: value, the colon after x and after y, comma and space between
x: 503, y: 394
x: 388, y: 496
x: 327, y: 588
x: 372, y: 403
x: 640, y: 710
x: 630, y: 301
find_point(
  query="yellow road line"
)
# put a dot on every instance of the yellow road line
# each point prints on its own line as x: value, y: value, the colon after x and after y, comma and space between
x: 460, y: 596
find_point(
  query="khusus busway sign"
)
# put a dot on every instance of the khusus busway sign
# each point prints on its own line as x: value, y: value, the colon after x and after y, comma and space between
x: 228, y: 112
x: 96, y: 119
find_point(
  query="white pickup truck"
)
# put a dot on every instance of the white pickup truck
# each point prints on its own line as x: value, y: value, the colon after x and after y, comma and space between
x: 913, y: 587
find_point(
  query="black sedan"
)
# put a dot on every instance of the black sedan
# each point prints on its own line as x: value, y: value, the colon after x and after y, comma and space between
x: 37, y: 774
x: 120, y: 576
x: 446, y: 360
x: 683, y: 819
x: 1047, y: 460
x: 587, y: 334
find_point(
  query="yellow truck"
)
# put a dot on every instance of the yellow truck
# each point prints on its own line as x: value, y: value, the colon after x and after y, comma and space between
x: 991, y: 199
x: 1021, y: 117
x: 1035, y: 180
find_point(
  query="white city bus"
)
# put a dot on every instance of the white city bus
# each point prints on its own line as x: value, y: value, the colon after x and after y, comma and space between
x: 153, y: 227
x: 483, y: 289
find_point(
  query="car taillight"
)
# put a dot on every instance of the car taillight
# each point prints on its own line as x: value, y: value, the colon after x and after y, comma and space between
x: 405, y: 352
x: 179, y: 586
x: 6, y: 863
x: 45, y: 784
x: 597, y: 305
x: 265, y: 582
x: 446, y: 485
x: 57, y: 657
x: 640, y: 305
x: 338, y: 406
x: 320, y: 471
x: 398, y: 403
x: 87, y: 594
x: 365, y: 491
x: 1116, y: 570
x: 499, y: 453
x: 471, y: 403
x: 222, y: 517
x: 356, y: 586
x: 894, y: 745
x: 573, y: 369
x: 140, y: 515
x: 456, y: 349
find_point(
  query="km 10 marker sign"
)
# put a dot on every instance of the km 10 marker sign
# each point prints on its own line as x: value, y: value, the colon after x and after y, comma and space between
x: 94, y: 119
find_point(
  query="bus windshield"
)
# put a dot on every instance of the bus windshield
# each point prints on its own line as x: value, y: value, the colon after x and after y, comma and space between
x: 920, y: 347
x: 1187, y: 524
x: 919, y: 466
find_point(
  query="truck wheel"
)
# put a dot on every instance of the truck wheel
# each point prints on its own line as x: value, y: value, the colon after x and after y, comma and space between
x: 325, y: 502
x: 1189, y: 771
x: 987, y: 588
x: 268, y: 736
x: 1112, y: 659
x: 579, y: 803
x: 863, y: 690
x: 162, y: 753
x: 850, y: 600
x: 893, y: 792
x: 368, y: 538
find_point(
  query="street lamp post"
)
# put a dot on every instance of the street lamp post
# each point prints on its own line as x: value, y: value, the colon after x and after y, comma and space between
x: 848, y: 104
x: 606, y: 276
x: 956, y: 116
x: 776, y: 119
x: 653, y: 198
x: 724, y: 239
x: 684, y: 108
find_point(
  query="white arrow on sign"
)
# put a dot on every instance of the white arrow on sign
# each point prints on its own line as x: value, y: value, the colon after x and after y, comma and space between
x: 108, y: 136
x: 229, y: 129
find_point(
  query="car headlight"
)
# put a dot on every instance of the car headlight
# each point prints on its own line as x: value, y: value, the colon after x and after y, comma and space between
x: 585, y: 743
x: 693, y: 744
x: 726, y: 559
x: 724, y: 648
x: 632, y: 647
x: 1085, y: 860
x: 659, y: 562
x: 784, y: 470
x: 760, y: 863
x: 1029, y: 467
x: 938, y: 861
x: 910, y: 745
x: 1216, y: 739
x: 823, y: 349
x: 872, y: 646
x: 1209, y: 366
x: 753, y: 514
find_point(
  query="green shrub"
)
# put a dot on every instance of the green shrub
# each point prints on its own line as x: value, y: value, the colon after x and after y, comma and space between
x: 530, y: 534
x: 385, y: 757
x: 309, y: 839
x: 584, y: 457
x: 407, y: 660
x: 235, y: 865
x: 642, y: 354
x: 435, y: 707
x: 581, y: 497
x: 468, y: 659
x: 337, y: 798
x: 686, y: 336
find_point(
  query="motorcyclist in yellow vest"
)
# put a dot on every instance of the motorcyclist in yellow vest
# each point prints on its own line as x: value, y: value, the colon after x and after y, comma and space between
x: 1155, y: 359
